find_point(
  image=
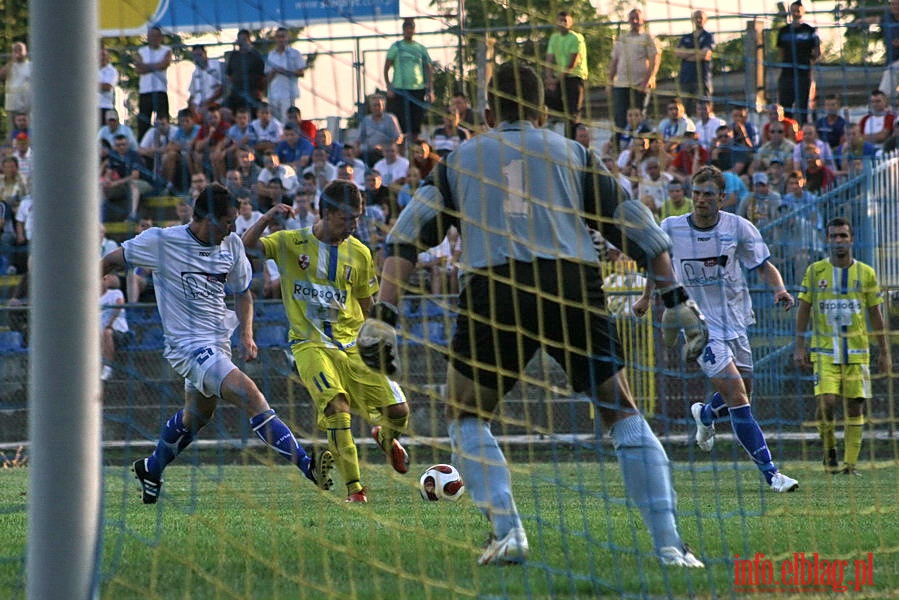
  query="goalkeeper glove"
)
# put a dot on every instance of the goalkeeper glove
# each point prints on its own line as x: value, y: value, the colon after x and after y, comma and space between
x: 683, y: 313
x: 377, y: 339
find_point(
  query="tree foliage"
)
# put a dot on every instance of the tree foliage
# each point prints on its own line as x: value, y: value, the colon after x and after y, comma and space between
x: 864, y: 36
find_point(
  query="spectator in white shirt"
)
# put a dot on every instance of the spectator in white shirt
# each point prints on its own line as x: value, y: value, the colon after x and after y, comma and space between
x: 109, y: 79
x: 283, y: 68
x: 205, y: 82
x: 392, y: 167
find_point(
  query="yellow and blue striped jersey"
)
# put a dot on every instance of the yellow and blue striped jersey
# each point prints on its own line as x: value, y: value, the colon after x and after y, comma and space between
x: 840, y: 299
x: 321, y: 285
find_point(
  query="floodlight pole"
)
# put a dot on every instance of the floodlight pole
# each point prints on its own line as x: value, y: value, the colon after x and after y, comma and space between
x: 64, y: 404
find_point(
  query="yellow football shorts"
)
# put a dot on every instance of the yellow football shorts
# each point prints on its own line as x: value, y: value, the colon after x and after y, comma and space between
x: 847, y: 381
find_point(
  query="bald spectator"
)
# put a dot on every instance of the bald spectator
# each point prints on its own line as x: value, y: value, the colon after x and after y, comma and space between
x: 695, y: 52
x: 377, y: 129
x: 877, y: 125
x: 152, y: 62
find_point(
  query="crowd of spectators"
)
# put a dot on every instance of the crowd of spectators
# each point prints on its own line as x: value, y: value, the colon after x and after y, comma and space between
x: 242, y: 126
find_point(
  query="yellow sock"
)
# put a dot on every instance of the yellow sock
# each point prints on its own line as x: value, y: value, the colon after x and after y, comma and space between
x: 343, y: 447
x: 828, y: 438
x: 852, y: 439
x: 391, y: 428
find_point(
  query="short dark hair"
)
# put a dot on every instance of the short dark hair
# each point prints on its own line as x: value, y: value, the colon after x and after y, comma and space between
x: 516, y: 92
x: 214, y: 201
x: 340, y: 194
x: 709, y: 173
x: 839, y: 222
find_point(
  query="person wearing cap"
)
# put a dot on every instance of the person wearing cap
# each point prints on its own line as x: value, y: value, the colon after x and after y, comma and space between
x: 760, y: 206
x: 113, y: 127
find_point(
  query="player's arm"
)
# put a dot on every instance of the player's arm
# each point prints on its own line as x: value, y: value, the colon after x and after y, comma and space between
x: 879, y: 330
x: 251, y: 236
x: 113, y: 261
x: 800, y: 352
x: 243, y: 306
x: 769, y: 273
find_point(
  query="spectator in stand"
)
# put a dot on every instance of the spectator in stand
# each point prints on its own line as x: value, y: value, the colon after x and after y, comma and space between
x: 690, y: 156
x: 412, y: 86
x: 413, y: 181
x: 306, y: 127
x: 677, y: 202
x: 24, y: 227
x: 777, y: 175
x: 127, y: 183
x: 235, y: 184
x: 776, y: 117
x: 108, y: 78
x: 377, y: 129
x: 13, y: 186
x: 245, y: 69
x: 635, y: 126
x: 20, y: 124
x: 800, y: 49
x: 324, y: 140
x: 877, y: 125
x: 832, y: 127
x: 778, y: 148
x: 695, y: 52
x: 799, y: 237
x: 294, y: 150
x: 761, y: 206
x: 206, y: 86
x: 240, y: 135
x: 273, y: 169
x: 323, y: 171
x: 246, y: 215
x: 745, y: 134
x: 198, y: 183
x: 303, y: 214
x: 346, y: 172
x: 819, y: 177
x: 376, y: 193
x: 566, y: 72
x: 372, y: 228
x: 185, y: 211
x: 359, y: 168
x: 892, y: 142
x: 462, y: 107
x: 107, y: 134
x: 107, y: 244
x: 652, y: 190
x: 17, y: 75
x: 210, y: 141
x: 727, y: 155
x: 734, y: 191
x: 114, y: 331
x: 392, y: 167
x: 583, y: 136
x: 139, y: 280
x: 23, y: 153
x: 152, y: 62
x: 632, y: 70
x: 448, y: 136
x: 269, y: 130
x: 675, y: 124
x: 283, y: 67
x: 707, y: 124
x: 7, y: 238
x: 152, y: 149
x: 177, y: 161
x: 422, y: 157
x: 810, y: 136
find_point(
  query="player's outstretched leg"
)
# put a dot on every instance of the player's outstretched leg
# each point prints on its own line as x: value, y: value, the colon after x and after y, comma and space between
x: 647, y: 479
x: 750, y: 436
x: 705, y: 414
x: 386, y: 438
x: 481, y: 462
x: 278, y: 436
x: 174, y: 437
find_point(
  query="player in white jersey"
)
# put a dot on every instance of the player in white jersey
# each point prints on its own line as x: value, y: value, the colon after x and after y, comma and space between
x: 194, y: 266
x: 710, y: 249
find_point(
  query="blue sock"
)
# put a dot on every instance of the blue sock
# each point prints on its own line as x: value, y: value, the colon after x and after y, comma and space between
x: 278, y: 436
x: 747, y: 430
x: 714, y: 409
x: 173, y: 438
x: 478, y: 457
x: 647, y: 478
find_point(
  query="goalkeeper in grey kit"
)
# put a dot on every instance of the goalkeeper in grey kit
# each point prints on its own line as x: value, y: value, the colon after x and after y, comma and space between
x: 523, y: 198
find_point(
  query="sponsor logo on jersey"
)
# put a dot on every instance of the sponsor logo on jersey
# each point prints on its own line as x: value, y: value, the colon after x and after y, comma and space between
x: 303, y: 261
x: 822, y: 284
x: 205, y: 252
x: 306, y: 291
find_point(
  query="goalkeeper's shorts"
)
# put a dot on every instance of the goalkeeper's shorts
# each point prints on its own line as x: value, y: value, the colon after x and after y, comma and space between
x: 519, y: 308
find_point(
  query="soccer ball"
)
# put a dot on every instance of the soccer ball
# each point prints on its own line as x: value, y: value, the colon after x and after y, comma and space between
x: 441, y: 482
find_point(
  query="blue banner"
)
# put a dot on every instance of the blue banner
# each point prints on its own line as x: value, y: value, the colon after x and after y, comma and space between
x: 132, y: 17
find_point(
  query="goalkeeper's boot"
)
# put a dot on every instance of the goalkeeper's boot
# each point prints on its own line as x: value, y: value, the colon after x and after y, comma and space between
x: 509, y: 550
x: 705, y: 434
x: 322, y: 465
x: 830, y: 461
x: 782, y: 483
x: 850, y: 470
x: 359, y: 496
x: 672, y: 556
x: 396, y: 454
x: 150, y: 487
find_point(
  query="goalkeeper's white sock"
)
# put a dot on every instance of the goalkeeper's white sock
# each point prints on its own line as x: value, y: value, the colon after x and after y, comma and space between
x: 647, y: 478
x: 478, y: 457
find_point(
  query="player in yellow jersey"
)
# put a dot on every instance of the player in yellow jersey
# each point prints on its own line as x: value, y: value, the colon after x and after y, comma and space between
x: 327, y: 283
x: 836, y: 296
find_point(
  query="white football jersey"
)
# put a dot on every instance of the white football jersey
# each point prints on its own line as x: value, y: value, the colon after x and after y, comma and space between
x: 191, y: 280
x: 710, y: 262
